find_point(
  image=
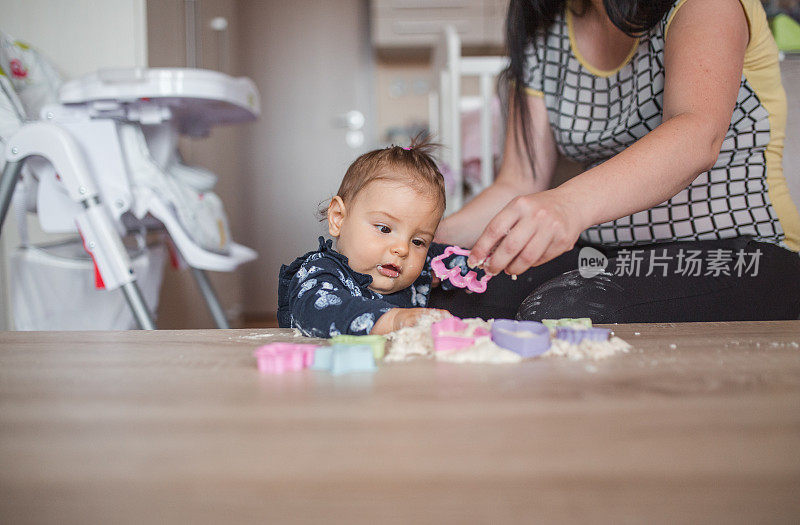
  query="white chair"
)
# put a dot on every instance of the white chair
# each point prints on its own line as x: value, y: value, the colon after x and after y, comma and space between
x: 111, y: 166
x: 447, y: 103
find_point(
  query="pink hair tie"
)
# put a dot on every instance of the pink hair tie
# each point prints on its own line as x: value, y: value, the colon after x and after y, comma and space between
x: 407, y: 149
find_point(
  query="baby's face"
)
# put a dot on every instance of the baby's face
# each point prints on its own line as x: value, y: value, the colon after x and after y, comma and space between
x: 385, y: 232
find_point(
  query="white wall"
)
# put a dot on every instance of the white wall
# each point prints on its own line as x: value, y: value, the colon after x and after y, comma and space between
x: 311, y: 61
x: 79, y: 36
x: 180, y: 304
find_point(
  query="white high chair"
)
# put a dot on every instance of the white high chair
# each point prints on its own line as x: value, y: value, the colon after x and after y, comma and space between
x: 112, y: 167
x: 446, y: 105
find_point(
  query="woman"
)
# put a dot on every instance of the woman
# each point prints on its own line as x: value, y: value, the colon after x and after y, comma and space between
x: 677, y: 110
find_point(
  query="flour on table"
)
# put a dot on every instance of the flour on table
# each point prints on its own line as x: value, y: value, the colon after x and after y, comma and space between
x: 413, y: 341
x: 255, y: 336
x: 483, y: 351
x: 586, y: 349
x: 416, y: 342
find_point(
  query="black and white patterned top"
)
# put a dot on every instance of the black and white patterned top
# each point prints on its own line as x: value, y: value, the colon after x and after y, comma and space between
x: 595, y: 115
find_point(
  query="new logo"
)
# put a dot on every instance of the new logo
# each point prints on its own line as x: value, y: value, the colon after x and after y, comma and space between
x: 591, y: 262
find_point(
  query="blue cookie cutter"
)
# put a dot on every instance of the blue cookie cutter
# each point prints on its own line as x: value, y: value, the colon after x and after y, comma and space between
x: 344, y: 358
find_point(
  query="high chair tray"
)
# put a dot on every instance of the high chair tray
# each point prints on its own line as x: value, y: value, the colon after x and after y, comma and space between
x: 199, y: 96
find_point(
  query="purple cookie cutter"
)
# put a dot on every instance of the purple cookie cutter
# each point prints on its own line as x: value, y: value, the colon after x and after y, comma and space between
x: 469, y: 281
x: 526, y: 338
x: 575, y: 336
x: 446, y: 336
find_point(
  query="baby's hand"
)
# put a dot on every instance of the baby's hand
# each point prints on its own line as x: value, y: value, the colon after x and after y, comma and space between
x: 409, y: 316
x: 398, y: 318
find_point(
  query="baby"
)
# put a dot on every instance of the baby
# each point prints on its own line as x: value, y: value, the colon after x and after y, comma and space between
x: 378, y: 278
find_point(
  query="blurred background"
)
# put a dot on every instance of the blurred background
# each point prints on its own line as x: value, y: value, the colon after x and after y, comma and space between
x: 336, y: 78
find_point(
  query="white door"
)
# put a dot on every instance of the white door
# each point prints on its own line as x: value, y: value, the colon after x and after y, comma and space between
x: 311, y: 61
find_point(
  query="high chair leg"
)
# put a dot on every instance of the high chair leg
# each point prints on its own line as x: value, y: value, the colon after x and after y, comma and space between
x: 138, y: 306
x: 8, y: 181
x: 211, y: 298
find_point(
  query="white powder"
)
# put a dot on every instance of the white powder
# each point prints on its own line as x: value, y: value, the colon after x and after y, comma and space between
x: 586, y: 349
x: 483, y: 351
x: 255, y: 336
x: 412, y: 341
x: 416, y: 342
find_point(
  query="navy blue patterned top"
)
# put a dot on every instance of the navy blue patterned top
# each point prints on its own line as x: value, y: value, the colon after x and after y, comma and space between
x: 320, y: 295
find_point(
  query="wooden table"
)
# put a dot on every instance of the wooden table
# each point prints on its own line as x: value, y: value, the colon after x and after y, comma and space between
x: 179, y: 426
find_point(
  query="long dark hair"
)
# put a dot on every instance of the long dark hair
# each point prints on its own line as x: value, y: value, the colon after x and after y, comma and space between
x: 528, y: 19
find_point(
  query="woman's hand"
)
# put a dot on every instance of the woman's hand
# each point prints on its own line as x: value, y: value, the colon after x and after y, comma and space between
x: 515, y: 178
x: 463, y: 227
x: 398, y: 318
x: 529, y: 231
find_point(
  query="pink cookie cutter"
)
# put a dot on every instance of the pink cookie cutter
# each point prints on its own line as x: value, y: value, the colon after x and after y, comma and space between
x: 446, y: 337
x: 469, y: 281
x: 277, y: 358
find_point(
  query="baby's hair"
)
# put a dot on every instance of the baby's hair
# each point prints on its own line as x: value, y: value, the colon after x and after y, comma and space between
x: 415, y: 163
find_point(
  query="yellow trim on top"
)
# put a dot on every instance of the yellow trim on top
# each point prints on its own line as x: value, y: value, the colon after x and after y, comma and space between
x: 762, y: 72
x: 530, y: 91
x: 672, y: 16
x: 593, y: 70
x: 534, y: 92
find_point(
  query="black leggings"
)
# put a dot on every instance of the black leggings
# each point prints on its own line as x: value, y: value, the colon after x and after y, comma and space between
x: 624, y: 293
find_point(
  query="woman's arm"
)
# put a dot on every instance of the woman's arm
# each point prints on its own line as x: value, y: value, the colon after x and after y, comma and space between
x: 704, y: 55
x: 516, y: 177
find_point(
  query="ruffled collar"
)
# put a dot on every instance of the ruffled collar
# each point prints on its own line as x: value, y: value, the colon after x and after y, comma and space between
x: 326, y: 246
